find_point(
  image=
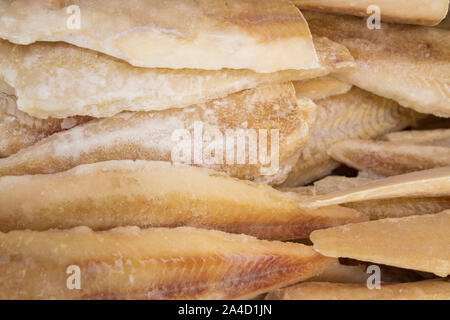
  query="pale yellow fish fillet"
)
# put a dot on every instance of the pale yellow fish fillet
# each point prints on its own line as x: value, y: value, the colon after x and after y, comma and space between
x: 356, y: 114
x: 21, y: 131
x: 321, y: 88
x: 60, y: 80
x: 376, y: 209
x: 427, y: 183
x: 385, y: 158
x: 150, y: 136
x: 159, y: 263
x: 424, y: 12
x: 437, y: 137
x: 261, y: 35
x: 421, y: 290
x: 157, y: 194
x: 418, y: 242
x: 409, y: 64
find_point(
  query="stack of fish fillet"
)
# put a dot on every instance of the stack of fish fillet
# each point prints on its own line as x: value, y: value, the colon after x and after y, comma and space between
x: 95, y: 97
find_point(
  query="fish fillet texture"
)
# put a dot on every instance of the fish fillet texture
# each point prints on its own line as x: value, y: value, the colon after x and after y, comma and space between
x: 60, y: 80
x: 417, y: 242
x: 421, y: 290
x: 384, y: 158
x: 321, y: 88
x: 260, y: 35
x: 427, y: 183
x: 409, y: 64
x: 356, y: 114
x: 423, y: 12
x: 437, y: 137
x: 375, y: 209
x: 159, y: 263
x: 157, y: 194
x: 18, y: 130
x: 150, y: 136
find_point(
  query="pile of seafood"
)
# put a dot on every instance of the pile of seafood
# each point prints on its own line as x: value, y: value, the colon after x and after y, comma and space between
x: 317, y: 137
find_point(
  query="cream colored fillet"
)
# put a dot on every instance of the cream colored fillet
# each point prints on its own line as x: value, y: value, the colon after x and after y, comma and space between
x: 321, y: 88
x: 159, y: 263
x: 356, y: 114
x: 385, y: 158
x: 426, y: 183
x: 417, y: 242
x: 60, y: 80
x: 18, y: 130
x: 422, y: 290
x: 145, y: 193
x: 150, y: 136
x: 425, y: 12
x: 409, y: 64
x: 437, y: 137
x: 260, y: 35
x: 375, y: 209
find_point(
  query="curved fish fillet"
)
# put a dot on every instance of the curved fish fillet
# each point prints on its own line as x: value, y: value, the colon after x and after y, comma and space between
x: 321, y: 88
x: 426, y: 183
x: 21, y: 131
x: 356, y: 114
x: 437, y: 137
x: 120, y: 193
x: 421, y: 290
x: 202, y: 34
x: 133, y: 263
x: 424, y: 12
x: 150, y: 136
x: 59, y: 80
x: 409, y: 64
x: 384, y: 158
x: 376, y: 209
x: 417, y: 242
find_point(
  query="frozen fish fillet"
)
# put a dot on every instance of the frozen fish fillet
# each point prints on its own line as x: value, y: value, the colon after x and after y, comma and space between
x: 282, y: 118
x: 18, y: 130
x: 356, y: 114
x: 424, y: 12
x: 157, y: 194
x: 421, y: 290
x: 321, y: 88
x: 437, y: 137
x: 60, y: 80
x: 133, y: 263
x: 409, y: 64
x: 384, y: 158
x: 417, y: 242
x: 376, y: 209
x: 427, y: 183
x: 260, y: 35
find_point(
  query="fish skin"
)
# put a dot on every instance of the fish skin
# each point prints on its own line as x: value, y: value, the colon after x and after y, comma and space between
x: 120, y: 193
x: 158, y: 263
x: 437, y: 137
x: 409, y: 64
x: 417, y: 242
x: 376, y: 209
x: 421, y: 290
x: 202, y: 34
x: 320, y: 88
x: 384, y: 158
x: 106, y: 86
x: 356, y: 114
x: 149, y: 135
x: 400, y: 11
x: 427, y: 183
